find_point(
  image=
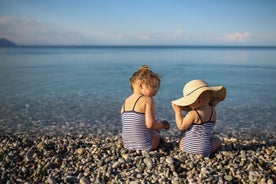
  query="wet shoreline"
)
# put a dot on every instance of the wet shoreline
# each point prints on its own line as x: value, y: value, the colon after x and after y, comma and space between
x: 38, y: 128
x: 90, y: 114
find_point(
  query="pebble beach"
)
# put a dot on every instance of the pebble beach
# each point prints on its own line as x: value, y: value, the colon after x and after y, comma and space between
x: 102, y: 159
x: 60, y: 115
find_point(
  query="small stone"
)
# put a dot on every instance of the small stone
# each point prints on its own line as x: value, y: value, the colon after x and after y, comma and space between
x: 191, y: 180
x: 80, y: 151
x: 148, y: 163
x: 29, y: 155
x: 71, y: 179
x: 204, y: 171
x: 24, y: 170
x: 250, y: 166
x: 51, y: 180
x: 139, y: 176
x: 145, y: 154
x: 116, y: 164
x: 134, y: 182
x: 108, y: 172
x: 190, y: 165
x: 269, y: 181
x: 263, y: 181
x: 253, y: 176
x: 169, y: 160
x: 228, y: 177
x: 209, y: 179
x: 167, y: 173
x: 84, y: 180
x: 125, y: 156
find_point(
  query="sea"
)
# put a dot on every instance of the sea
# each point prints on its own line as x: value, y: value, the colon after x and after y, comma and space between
x: 79, y: 90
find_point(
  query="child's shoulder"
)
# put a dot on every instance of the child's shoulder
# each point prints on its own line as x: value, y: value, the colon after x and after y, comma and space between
x: 146, y: 98
x: 139, y: 99
x: 192, y: 112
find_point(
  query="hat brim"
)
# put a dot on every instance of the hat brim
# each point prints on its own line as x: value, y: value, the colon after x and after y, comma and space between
x: 218, y: 94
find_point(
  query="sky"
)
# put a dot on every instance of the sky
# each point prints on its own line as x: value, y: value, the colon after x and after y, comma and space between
x: 140, y: 22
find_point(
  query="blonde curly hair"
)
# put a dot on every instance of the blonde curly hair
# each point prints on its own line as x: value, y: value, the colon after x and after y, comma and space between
x: 146, y: 76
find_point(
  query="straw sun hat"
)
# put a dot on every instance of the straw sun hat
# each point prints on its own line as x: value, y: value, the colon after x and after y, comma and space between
x: 193, y: 89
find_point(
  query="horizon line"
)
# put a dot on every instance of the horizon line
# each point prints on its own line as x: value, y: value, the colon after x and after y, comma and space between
x: 141, y: 46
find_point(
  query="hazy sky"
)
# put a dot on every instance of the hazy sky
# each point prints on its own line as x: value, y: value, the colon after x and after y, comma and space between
x: 140, y: 22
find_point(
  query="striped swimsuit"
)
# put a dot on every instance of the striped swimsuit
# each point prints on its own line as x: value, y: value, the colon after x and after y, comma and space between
x: 197, y: 138
x: 135, y: 134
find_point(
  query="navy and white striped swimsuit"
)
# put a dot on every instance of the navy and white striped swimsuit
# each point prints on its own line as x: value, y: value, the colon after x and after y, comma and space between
x: 136, y: 136
x: 197, y: 138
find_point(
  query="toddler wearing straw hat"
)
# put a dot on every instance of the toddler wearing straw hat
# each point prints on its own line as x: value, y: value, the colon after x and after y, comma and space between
x: 199, y: 100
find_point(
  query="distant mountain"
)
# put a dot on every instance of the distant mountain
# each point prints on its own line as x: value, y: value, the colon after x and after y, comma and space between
x: 6, y: 43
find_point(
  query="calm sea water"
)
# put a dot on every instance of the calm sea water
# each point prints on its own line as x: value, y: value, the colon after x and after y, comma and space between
x: 79, y: 90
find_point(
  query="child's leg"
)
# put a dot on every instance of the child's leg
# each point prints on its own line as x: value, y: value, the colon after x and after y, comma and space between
x: 215, y: 143
x: 181, y: 144
x: 155, y: 140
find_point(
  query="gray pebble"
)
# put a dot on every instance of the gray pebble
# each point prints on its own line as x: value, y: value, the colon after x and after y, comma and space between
x: 169, y: 160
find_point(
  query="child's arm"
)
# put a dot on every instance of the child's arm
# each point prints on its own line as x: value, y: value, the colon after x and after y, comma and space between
x: 151, y: 122
x: 182, y: 123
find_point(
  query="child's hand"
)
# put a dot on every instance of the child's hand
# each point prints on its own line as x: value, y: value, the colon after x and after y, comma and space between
x: 176, y: 108
x: 185, y: 108
x: 166, y: 124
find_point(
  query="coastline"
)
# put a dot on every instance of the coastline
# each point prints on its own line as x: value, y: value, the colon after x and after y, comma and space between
x: 102, y: 159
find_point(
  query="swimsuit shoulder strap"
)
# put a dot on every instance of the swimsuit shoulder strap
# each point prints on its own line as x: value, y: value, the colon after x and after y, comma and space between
x: 209, y: 118
x: 199, y: 116
x: 136, y: 102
